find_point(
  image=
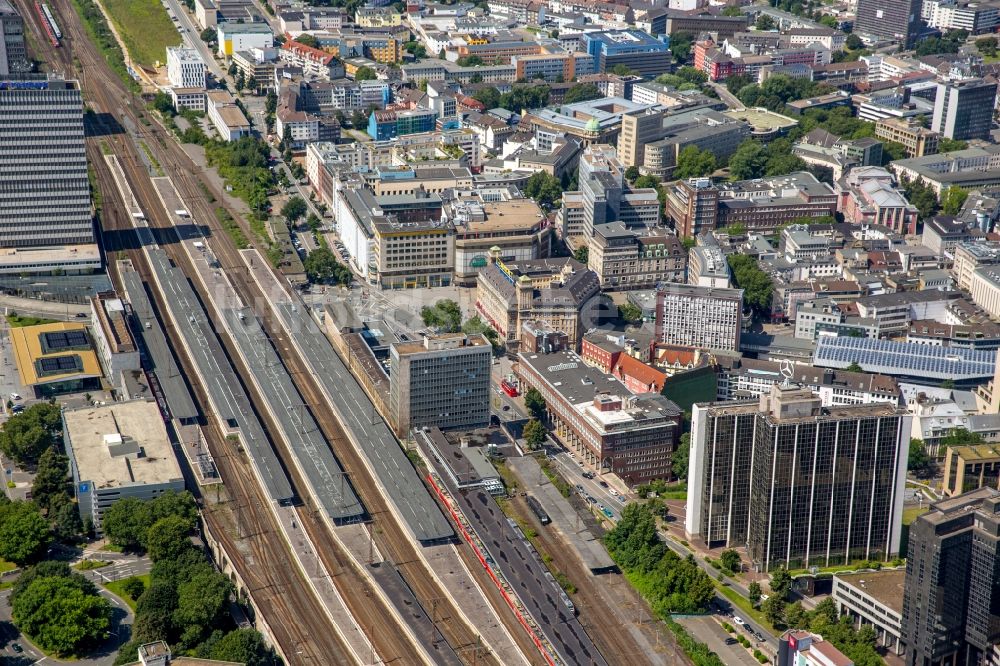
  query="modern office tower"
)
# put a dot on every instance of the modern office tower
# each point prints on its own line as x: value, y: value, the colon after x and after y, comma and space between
x: 635, y: 49
x: 897, y: 20
x: 13, y: 55
x: 964, y: 109
x: 951, y: 600
x: 44, y: 191
x: 443, y: 381
x: 701, y: 317
x: 797, y: 483
x: 185, y: 68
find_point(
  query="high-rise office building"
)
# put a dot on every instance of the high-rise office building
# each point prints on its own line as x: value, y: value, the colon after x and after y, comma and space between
x: 44, y: 191
x: 964, y: 109
x: 797, y: 483
x: 13, y: 54
x: 444, y: 381
x: 897, y: 20
x: 951, y: 600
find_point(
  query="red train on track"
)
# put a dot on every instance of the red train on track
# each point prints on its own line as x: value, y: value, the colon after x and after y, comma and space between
x: 49, y: 23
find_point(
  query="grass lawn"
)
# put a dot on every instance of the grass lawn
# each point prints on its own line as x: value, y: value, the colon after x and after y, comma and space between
x: 6, y: 566
x: 87, y: 565
x: 115, y: 587
x: 145, y: 28
x: 111, y: 548
x: 912, y: 513
x: 746, y: 609
x: 16, y: 320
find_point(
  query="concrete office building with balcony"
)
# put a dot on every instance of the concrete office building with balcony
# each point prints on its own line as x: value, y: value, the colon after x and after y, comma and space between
x: 799, y: 484
x: 896, y: 20
x: 443, y: 381
x: 44, y: 194
x: 635, y: 49
x: 700, y: 317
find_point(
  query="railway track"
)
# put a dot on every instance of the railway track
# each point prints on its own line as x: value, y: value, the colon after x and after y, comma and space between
x: 294, y: 615
x: 311, y: 638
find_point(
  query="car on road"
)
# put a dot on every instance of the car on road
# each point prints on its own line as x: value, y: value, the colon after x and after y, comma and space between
x: 15, y: 396
x: 587, y: 475
x: 604, y: 484
x: 600, y: 506
x: 747, y: 628
x: 590, y: 498
x: 579, y: 489
x: 607, y: 512
x: 759, y: 636
x: 738, y: 620
x: 621, y: 498
x: 731, y: 641
x: 81, y: 315
x: 16, y: 647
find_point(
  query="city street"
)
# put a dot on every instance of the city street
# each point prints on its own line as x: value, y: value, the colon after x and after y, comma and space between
x: 706, y: 629
x: 192, y: 36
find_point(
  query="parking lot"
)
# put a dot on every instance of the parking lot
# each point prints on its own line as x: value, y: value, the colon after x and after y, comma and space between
x: 707, y: 630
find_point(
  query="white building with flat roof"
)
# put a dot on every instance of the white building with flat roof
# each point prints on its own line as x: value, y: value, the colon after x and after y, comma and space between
x: 185, y: 68
x: 116, y: 451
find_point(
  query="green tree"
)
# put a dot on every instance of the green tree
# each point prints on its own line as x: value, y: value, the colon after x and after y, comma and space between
x: 534, y: 434
x: 623, y: 70
x: 305, y: 39
x: 476, y: 325
x: 631, y: 173
x: 795, y: 616
x: 133, y: 587
x: 922, y: 196
x: 854, y: 367
x: 774, y: 610
x: 755, y: 283
x: 946, y: 145
x: 753, y: 592
x: 544, y: 188
x: 270, y: 102
x: 209, y: 36
x: 65, y: 515
x: 365, y: 74
x: 582, y: 92
x: 202, y: 601
x: 534, y: 403
x: 25, y: 437
x: 60, y: 617
x: 765, y: 22
x: 694, y: 163
x: 679, y: 460
x: 732, y: 10
x: 51, y: 478
x: 24, y: 533
x: 445, y: 315
x: 917, y: 461
x: 321, y: 266
x: 126, y: 523
x: 167, y: 538
x: 582, y: 254
x: 294, y: 209
x: 243, y: 646
x: 961, y: 437
x: 630, y: 313
x: 952, y: 200
x: 469, y: 61
x: 49, y: 569
x: 680, y: 45
x: 730, y: 560
x: 749, y: 161
x: 781, y: 583
x: 854, y: 42
x: 154, y: 612
x: 987, y: 46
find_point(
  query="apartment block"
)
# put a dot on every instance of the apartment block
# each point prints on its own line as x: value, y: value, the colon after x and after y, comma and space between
x: 797, y: 483
x: 442, y: 381
x: 233, y: 37
x: 700, y: 317
x: 633, y: 48
x: 896, y: 20
x: 552, y: 66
